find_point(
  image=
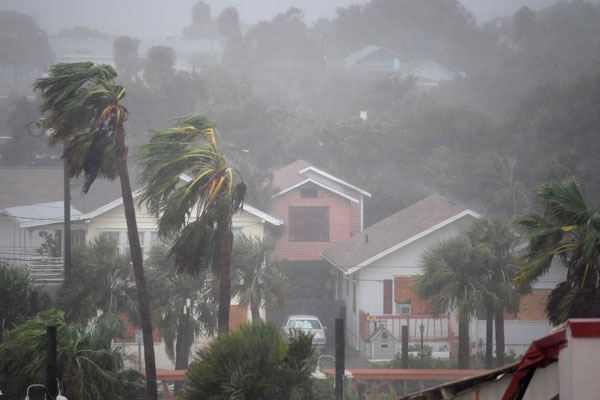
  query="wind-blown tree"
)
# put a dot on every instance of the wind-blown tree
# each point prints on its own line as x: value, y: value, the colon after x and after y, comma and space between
x: 253, y: 362
x: 14, y: 289
x: 568, y: 230
x: 89, y: 368
x: 84, y: 109
x: 179, y: 329
x: 453, y: 279
x: 104, y: 283
x: 257, y: 280
x: 196, y: 213
x: 497, y: 238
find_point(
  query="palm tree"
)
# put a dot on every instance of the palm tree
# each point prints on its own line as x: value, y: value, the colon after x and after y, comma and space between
x: 85, y: 112
x: 208, y: 199
x: 568, y: 230
x: 14, y: 289
x: 104, y: 283
x: 453, y: 279
x: 506, y: 194
x: 90, y: 368
x: 256, y: 281
x: 496, y: 238
x: 180, y: 327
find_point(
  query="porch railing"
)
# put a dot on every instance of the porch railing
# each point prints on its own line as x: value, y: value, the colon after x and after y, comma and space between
x: 43, y: 269
x: 435, y: 328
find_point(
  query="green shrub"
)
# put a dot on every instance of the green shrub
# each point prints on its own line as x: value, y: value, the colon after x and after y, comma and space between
x: 253, y: 362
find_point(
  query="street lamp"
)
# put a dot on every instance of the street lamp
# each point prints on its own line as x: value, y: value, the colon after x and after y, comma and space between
x: 318, y: 374
x: 59, y: 396
x: 422, y: 328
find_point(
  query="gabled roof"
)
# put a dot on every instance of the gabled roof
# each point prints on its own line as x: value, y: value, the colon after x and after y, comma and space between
x: 380, y: 330
x: 300, y: 172
x: 38, y: 214
x: 394, y: 232
x: 368, y: 50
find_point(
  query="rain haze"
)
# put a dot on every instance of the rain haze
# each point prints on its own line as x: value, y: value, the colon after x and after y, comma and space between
x: 353, y: 188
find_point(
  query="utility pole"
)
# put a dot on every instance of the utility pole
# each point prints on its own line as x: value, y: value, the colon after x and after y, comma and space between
x: 340, y: 359
x: 51, y: 364
x: 67, y: 212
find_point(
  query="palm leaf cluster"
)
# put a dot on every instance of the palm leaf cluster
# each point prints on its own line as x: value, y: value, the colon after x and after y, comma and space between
x: 89, y: 367
x: 168, y: 294
x: 105, y: 283
x: 15, y: 288
x: 453, y: 278
x: 257, y: 280
x: 254, y: 362
x: 567, y: 230
x: 190, y: 188
x: 82, y: 101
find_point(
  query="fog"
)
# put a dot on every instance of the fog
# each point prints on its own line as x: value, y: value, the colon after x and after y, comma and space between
x: 157, y: 18
x: 299, y: 157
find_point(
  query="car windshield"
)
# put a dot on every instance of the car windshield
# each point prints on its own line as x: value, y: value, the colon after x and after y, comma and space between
x: 304, y: 324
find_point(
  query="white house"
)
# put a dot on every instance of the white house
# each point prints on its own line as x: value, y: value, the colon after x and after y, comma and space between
x: 375, y: 269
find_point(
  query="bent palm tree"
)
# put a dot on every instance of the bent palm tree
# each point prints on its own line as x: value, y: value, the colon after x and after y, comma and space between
x: 495, y: 236
x: 257, y: 281
x: 208, y: 198
x: 570, y: 231
x: 85, y: 113
x: 453, y: 280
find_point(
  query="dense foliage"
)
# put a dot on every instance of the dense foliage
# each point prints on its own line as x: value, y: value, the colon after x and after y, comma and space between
x: 253, y: 362
x: 15, y: 290
x: 89, y: 368
x: 567, y: 230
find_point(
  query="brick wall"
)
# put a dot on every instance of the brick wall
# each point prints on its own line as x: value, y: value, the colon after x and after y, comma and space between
x: 238, y: 315
x: 533, y: 306
x: 403, y: 292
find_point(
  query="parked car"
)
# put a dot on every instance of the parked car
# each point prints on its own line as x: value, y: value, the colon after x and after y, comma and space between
x: 308, y: 324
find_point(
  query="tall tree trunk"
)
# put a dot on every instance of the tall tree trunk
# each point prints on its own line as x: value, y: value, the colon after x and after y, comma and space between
x: 254, y: 309
x: 464, y: 352
x: 182, y: 347
x: 224, y: 276
x: 138, y: 266
x: 489, y: 337
x: 500, y: 337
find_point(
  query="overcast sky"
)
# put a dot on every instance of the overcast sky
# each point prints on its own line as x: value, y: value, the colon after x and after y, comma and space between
x: 161, y: 18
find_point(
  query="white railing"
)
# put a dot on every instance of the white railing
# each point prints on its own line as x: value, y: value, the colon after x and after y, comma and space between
x: 43, y: 269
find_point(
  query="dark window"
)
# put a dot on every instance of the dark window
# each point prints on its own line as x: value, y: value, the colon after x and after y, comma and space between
x: 309, y: 193
x: 354, y: 297
x: 309, y: 224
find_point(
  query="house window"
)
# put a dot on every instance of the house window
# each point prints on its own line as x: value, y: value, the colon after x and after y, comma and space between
x: 236, y: 230
x: 309, y: 193
x: 147, y: 240
x: 403, y: 308
x: 384, y: 345
x: 309, y: 224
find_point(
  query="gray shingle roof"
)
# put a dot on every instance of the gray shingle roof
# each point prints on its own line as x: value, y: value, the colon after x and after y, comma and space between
x: 392, y: 231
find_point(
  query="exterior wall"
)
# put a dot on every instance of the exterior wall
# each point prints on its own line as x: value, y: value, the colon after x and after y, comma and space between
x: 578, y: 367
x: 355, y: 218
x: 533, y: 306
x: 402, y: 263
x: 339, y: 224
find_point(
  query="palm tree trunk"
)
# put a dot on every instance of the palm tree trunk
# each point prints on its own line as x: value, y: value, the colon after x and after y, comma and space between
x: 224, y: 276
x: 463, y: 343
x: 489, y: 337
x: 500, y: 337
x: 254, y: 309
x: 182, y: 347
x: 138, y: 266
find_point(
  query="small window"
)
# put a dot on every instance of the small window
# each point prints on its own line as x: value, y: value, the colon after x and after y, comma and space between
x: 384, y: 345
x: 403, y: 308
x: 309, y: 193
x: 384, y: 336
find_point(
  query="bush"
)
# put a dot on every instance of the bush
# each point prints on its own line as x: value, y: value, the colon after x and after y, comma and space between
x: 253, y: 362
